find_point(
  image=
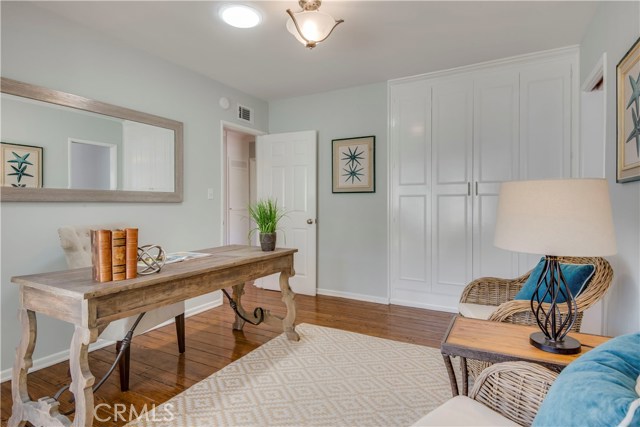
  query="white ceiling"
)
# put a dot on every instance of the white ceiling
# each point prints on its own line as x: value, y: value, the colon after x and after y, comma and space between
x: 379, y: 40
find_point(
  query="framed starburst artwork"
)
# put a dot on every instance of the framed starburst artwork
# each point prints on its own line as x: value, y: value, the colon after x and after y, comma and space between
x: 354, y: 163
x: 628, y: 82
x: 21, y: 165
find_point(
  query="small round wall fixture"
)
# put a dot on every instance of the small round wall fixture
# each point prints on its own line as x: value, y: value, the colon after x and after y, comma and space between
x: 224, y: 103
x: 240, y: 16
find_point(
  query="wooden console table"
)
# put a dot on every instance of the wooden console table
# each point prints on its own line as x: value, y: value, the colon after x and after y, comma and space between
x: 501, y: 342
x: 74, y: 297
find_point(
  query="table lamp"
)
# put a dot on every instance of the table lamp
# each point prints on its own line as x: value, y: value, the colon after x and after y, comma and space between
x: 566, y: 217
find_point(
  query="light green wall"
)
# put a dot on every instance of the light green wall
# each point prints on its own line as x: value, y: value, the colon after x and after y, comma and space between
x: 38, y: 124
x: 352, y: 228
x: 44, y: 49
x: 614, y: 29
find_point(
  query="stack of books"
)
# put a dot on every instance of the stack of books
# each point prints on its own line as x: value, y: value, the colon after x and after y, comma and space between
x: 114, y: 254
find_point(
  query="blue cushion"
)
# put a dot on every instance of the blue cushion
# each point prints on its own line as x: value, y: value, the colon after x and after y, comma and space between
x: 597, y: 389
x: 577, y: 277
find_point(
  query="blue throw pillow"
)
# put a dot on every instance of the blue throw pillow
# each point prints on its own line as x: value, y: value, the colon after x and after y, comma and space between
x: 577, y: 277
x: 597, y: 389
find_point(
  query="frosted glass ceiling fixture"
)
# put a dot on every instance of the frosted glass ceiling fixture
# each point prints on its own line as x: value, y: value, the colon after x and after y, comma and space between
x: 310, y: 26
x: 240, y: 16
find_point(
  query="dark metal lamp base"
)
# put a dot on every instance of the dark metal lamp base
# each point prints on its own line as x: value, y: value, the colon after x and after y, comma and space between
x: 567, y: 346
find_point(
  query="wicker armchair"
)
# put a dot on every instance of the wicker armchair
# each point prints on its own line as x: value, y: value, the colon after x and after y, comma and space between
x: 499, y: 293
x: 513, y: 390
x: 492, y: 291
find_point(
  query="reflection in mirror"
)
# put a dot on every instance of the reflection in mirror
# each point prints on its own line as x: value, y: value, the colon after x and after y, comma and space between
x: 82, y: 148
x: 93, y: 165
x: 91, y: 151
x: 148, y: 157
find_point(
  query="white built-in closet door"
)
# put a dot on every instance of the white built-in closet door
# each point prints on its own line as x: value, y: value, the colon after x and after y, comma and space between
x: 545, y: 127
x: 452, y: 138
x: 495, y: 160
x: 410, y: 253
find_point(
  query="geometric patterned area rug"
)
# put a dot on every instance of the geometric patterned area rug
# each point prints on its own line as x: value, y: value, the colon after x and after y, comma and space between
x: 329, y: 378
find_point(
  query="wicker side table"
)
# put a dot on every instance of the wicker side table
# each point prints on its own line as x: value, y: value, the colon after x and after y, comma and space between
x: 495, y: 342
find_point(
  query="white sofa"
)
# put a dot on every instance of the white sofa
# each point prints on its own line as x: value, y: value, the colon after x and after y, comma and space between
x: 600, y: 388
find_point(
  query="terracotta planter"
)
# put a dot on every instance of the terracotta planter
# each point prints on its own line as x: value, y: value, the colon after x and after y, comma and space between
x: 268, y: 241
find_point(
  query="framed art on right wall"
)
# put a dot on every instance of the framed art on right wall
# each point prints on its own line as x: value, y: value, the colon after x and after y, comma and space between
x: 628, y: 112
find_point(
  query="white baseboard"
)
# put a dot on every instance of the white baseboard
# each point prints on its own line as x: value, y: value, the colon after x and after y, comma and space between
x: 52, y: 359
x: 350, y: 295
x: 434, y: 307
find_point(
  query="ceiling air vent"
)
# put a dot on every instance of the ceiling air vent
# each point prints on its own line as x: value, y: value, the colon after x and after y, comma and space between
x: 245, y: 113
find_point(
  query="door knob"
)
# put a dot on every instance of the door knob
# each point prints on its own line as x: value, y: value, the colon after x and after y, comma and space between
x: 309, y: 221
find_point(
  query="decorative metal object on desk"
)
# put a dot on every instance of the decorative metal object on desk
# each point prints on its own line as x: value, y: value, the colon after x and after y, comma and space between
x: 151, y: 259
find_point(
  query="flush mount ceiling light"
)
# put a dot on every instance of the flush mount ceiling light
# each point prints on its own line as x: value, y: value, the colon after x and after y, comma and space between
x: 310, y: 26
x: 240, y: 16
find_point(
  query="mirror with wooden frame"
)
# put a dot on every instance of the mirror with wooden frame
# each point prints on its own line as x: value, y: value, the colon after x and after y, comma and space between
x: 59, y: 147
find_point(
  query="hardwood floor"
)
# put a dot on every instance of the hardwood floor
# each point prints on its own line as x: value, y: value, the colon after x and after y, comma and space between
x: 159, y: 372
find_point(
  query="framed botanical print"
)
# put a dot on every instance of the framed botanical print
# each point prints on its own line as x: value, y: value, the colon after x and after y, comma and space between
x: 354, y: 163
x: 628, y: 112
x: 21, y: 165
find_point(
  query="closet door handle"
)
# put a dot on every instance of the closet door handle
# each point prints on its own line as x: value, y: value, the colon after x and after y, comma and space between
x: 469, y: 188
x: 476, y: 188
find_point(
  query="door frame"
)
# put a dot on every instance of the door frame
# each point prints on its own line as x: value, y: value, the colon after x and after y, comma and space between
x: 113, y: 159
x: 224, y: 125
x: 598, y: 72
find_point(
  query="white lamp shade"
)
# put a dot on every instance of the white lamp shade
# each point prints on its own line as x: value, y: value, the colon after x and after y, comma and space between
x: 567, y: 217
x: 314, y: 25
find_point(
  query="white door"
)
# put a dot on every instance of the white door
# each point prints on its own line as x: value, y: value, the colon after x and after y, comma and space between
x: 545, y: 121
x: 495, y: 160
x: 238, y: 191
x: 286, y: 171
x: 410, y: 152
x: 452, y: 129
x: 238, y: 187
x: 545, y: 127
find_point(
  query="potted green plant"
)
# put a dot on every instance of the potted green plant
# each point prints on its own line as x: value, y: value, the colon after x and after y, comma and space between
x: 266, y: 214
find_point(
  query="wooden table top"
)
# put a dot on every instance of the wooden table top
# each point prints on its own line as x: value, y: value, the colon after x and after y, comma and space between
x: 500, y: 342
x: 79, y: 284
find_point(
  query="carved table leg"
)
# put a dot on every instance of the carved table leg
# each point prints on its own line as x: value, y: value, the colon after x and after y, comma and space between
x: 22, y: 365
x: 45, y: 410
x: 238, y: 291
x: 260, y: 315
x: 81, y: 378
x: 288, y: 323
